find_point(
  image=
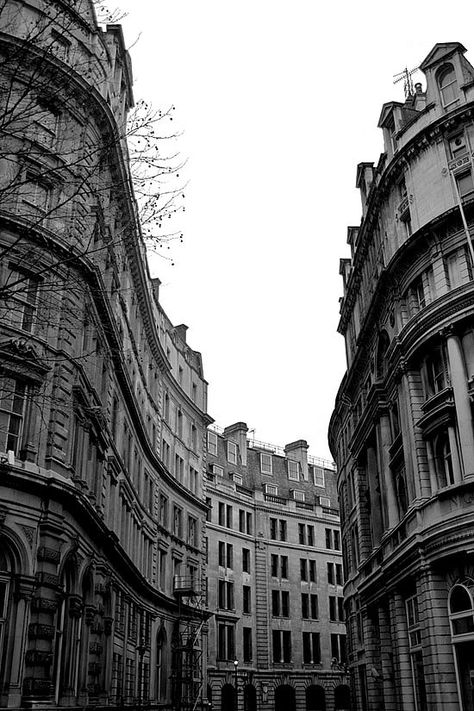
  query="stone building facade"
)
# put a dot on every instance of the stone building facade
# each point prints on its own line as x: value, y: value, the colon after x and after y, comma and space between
x: 402, y: 430
x: 277, y: 633
x: 102, y: 401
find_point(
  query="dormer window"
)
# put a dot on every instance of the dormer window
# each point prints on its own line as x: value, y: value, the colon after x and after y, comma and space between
x: 448, y: 85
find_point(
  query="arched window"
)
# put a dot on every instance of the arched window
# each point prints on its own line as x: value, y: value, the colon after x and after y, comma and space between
x: 461, y: 618
x: 160, y: 676
x: 448, y: 85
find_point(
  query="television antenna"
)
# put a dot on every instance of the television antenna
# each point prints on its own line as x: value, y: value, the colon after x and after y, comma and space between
x: 405, y: 76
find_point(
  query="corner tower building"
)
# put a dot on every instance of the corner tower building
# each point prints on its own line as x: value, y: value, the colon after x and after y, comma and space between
x: 402, y: 428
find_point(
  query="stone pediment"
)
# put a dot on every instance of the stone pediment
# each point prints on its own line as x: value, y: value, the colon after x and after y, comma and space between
x: 387, y: 110
x: 441, y: 52
x: 20, y: 358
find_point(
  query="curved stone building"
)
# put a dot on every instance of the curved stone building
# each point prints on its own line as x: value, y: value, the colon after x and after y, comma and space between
x: 102, y: 401
x: 402, y: 429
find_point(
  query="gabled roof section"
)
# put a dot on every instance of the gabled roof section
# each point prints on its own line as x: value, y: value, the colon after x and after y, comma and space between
x: 441, y: 52
x: 387, y: 110
x: 361, y: 168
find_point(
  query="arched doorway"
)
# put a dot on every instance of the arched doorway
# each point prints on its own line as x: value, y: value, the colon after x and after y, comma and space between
x: 461, y: 617
x: 342, y: 698
x: 250, y: 698
x: 285, y: 699
x: 315, y: 698
x: 228, y: 698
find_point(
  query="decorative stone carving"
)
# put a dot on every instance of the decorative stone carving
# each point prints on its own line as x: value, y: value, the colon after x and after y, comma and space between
x: 108, y: 622
x: 36, y: 657
x: 50, y: 555
x: 49, y: 580
x: 38, y: 631
x: 43, y: 604
x: 29, y: 532
x: 75, y: 606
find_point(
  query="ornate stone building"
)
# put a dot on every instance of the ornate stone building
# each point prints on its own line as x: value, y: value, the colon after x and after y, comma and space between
x: 102, y: 401
x: 274, y: 577
x: 402, y: 430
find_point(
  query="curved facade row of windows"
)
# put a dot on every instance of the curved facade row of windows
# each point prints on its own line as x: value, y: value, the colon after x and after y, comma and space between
x: 402, y: 429
x: 102, y: 400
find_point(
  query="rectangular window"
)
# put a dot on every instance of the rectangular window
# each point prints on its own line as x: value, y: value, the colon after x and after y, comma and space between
x: 338, y: 647
x: 21, y: 298
x: 293, y: 470
x: 249, y: 523
x: 285, y: 603
x: 177, y: 521
x: 339, y: 574
x: 332, y: 608
x: 301, y: 534
x: 303, y: 569
x: 221, y: 550
x: 221, y: 514
x: 314, y: 607
x: 271, y: 489
x: 340, y: 609
x: 13, y: 395
x: 284, y: 566
x: 273, y: 529
x: 312, y: 571
x: 212, y: 443
x: 304, y: 606
x: 281, y: 643
x: 274, y: 565
x: 247, y: 644
x: 328, y: 538
x: 245, y: 560
x: 310, y: 530
x: 232, y: 452
x: 230, y: 555
x: 465, y: 184
x: 241, y: 521
x: 266, y: 463
x: 228, y: 516
x: 311, y: 648
x: 318, y: 476
x: 225, y: 595
x: 225, y: 641
x: 298, y: 495
x: 337, y: 540
x: 246, y: 603
x: 282, y: 530
x: 192, y: 531
x: 331, y: 578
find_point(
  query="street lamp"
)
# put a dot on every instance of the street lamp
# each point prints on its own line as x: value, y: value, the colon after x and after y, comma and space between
x: 236, y: 677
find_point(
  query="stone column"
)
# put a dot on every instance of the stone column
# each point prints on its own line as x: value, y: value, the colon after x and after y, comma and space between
x: 22, y: 596
x: 383, y: 446
x: 462, y: 403
x: 375, y: 497
x: 400, y: 648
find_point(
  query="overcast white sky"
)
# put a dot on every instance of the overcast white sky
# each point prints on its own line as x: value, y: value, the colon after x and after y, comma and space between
x: 279, y: 101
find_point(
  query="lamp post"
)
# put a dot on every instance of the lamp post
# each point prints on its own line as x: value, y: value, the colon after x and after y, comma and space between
x: 236, y: 678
